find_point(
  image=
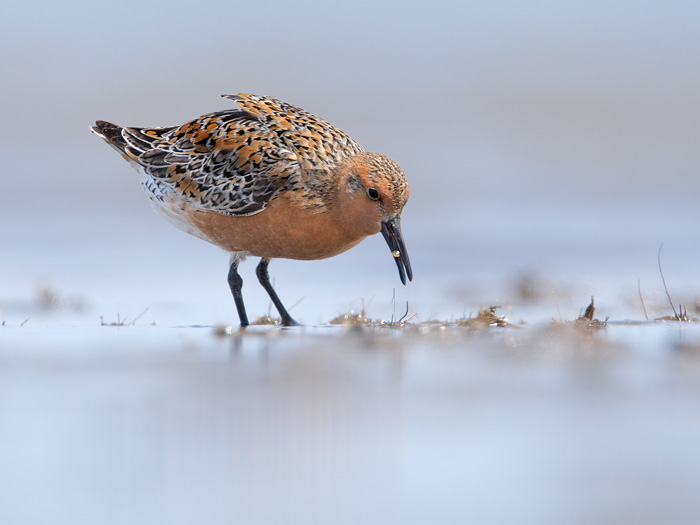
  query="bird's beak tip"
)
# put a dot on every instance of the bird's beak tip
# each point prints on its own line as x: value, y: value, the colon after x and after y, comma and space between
x: 391, y: 230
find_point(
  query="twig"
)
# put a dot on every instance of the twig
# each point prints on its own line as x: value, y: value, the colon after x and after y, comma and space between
x: 408, y: 318
x: 139, y: 316
x: 122, y: 322
x: 670, y: 301
x: 639, y: 289
x: 403, y: 316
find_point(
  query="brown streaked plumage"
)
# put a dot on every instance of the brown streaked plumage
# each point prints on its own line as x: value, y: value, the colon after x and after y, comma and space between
x: 269, y: 180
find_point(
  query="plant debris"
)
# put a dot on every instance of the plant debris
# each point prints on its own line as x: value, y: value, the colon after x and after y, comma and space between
x: 122, y: 322
x: 682, y: 313
x: 587, y: 319
x: 266, y: 320
x: 403, y: 321
x: 352, y: 319
x: 486, y: 318
x: 361, y: 319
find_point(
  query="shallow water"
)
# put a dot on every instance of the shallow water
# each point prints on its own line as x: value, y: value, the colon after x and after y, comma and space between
x: 335, y: 424
x: 551, y: 149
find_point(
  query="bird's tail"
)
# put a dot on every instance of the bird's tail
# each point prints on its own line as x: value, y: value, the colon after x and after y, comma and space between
x: 131, y: 143
x: 112, y: 135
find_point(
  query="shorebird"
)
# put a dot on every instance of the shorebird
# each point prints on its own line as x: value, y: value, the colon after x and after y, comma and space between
x: 267, y: 179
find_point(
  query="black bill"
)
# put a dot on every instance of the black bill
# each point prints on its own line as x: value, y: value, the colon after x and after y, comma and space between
x: 391, y: 230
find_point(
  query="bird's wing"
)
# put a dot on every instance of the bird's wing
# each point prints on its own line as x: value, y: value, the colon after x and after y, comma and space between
x: 317, y: 144
x: 235, y: 162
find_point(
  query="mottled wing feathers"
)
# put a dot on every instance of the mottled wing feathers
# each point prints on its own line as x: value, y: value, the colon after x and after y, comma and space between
x: 315, y: 141
x: 234, y: 162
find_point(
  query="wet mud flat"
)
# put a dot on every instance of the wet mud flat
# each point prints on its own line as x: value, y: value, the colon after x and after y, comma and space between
x: 411, y: 423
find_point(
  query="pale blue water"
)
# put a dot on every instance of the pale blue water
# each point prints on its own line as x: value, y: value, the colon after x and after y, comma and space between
x: 143, y: 424
x: 550, y: 140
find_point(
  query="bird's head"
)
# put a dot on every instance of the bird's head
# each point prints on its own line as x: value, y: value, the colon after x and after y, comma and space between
x: 376, y: 190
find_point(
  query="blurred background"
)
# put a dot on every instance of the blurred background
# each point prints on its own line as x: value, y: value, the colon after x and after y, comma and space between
x: 559, y: 139
x: 549, y: 145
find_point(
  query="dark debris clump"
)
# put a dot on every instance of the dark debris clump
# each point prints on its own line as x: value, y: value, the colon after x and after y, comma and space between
x: 587, y: 319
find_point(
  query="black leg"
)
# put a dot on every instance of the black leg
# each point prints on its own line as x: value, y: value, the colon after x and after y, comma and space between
x: 236, y: 284
x: 264, y: 278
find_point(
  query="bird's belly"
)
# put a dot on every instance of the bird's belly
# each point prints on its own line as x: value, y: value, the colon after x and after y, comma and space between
x: 280, y: 230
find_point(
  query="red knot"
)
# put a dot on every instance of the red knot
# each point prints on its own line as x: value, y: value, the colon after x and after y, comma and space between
x: 270, y: 180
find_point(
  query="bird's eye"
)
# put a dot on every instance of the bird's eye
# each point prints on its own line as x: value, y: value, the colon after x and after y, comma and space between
x: 373, y: 194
